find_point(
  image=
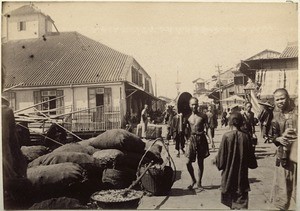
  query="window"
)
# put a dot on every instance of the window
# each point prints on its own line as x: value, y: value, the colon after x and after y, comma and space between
x: 200, y: 86
x: 11, y: 97
x: 147, y: 85
x: 240, y: 80
x: 22, y: 26
x: 99, y: 97
x: 135, y: 76
x: 140, y: 79
x: 52, y: 105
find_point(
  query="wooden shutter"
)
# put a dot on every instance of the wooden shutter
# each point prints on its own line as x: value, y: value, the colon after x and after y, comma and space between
x: 140, y: 80
x: 19, y: 26
x: 107, y: 99
x: 60, y: 101
x: 37, y: 99
x: 92, y: 97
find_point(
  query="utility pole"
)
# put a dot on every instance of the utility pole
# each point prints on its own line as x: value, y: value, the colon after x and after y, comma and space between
x: 155, y: 86
x: 177, y: 84
x: 219, y: 80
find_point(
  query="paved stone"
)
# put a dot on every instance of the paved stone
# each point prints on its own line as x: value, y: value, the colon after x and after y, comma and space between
x: 182, y: 198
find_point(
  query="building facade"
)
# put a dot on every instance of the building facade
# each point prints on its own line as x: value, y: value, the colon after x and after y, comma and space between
x: 71, y: 74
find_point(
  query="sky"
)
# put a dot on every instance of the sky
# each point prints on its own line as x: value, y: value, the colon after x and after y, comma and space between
x: 175, y: 40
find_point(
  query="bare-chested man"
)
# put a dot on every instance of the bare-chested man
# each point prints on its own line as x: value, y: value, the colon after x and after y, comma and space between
x: 198, y: 146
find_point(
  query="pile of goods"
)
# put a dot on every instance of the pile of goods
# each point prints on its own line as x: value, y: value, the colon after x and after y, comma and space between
x: 153, y: 131
x: 77, y: 171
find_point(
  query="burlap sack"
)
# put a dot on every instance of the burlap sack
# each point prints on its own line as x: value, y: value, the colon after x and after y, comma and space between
x: 63, y: 157
x: 33, y: 152
x: 118, y: 139
x: 62, y: 203
x: 109, y: 157
x: 54, y: 180
x: 76, y: 147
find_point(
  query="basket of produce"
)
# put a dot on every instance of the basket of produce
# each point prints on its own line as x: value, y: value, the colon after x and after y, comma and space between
x: 117, y: 199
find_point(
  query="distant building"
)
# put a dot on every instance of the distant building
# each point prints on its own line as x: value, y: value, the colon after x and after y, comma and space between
x: 28, y: 22
x: 219, y: 83
x: 199, y: 87
x: 233, y: 81
x: 90, y: 76
x: 269, y: 73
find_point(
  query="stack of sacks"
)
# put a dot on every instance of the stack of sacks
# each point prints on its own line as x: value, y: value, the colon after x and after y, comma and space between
x: 68, y: 171
x: 77, y: 170
x: 122, y: 152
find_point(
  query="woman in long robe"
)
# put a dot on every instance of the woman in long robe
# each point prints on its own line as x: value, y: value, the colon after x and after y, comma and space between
x: 234, y: 157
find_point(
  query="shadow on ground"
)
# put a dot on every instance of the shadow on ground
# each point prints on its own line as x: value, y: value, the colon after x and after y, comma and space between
x: 176, y: 192
x: 178, y: 175
x: 212, y: 187
x: 258, y: 151
x: 263, y: 155
x: 181, y: 192
x: 254, y: 180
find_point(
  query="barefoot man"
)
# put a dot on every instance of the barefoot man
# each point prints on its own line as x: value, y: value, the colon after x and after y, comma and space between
x: 198, y: 146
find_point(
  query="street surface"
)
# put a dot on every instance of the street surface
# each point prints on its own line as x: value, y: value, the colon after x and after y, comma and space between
x: 181, y: 198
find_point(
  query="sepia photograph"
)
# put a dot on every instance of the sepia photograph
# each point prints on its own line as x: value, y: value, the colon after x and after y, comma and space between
x: 149, y: 105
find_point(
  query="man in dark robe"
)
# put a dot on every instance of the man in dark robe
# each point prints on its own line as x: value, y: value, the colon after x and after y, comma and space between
x: 234, y: 157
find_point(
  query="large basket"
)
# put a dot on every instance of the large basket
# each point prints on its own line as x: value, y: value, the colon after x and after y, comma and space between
x: 158, y: 179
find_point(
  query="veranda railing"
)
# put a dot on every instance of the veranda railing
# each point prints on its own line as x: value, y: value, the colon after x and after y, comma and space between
x: 99, y: 118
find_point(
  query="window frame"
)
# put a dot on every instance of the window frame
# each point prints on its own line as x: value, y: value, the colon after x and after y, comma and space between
x: 22, y: 26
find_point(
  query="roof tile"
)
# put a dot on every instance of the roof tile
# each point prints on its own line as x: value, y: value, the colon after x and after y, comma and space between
x: 291, y: 51
x: 66, y: 58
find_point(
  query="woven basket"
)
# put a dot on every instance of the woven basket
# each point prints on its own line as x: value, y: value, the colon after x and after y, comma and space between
x: 158, y: 179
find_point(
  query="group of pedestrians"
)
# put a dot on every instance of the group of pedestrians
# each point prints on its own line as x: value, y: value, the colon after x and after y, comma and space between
x: 236, y: 153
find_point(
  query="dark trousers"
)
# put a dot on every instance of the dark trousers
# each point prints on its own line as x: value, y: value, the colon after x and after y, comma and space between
x: 179, y: 141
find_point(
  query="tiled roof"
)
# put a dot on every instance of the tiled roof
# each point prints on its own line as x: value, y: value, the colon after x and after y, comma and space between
x: 62, y: 59
x: 291, y: 51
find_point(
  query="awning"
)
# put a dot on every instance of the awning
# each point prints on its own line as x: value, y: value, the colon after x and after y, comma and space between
x: 274, y: 79
x: 136, y: 88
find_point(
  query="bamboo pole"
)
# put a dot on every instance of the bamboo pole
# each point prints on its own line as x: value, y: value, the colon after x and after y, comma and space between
x: 61, y: 126
x: 5, y: 90
x: 40, y: 134
x: 54, y: 109
x: 73, y: 112
x: 23, y: 109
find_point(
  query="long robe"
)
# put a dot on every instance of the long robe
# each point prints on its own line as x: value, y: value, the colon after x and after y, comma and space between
x: 283, y: 194
x: 234, y: 157
x: 15, y: 182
